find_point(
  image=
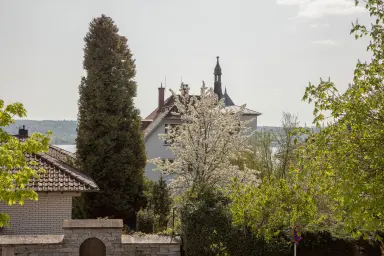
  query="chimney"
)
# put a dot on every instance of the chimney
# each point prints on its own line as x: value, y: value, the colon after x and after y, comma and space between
x: 23, y: 133
x: 161, y: 96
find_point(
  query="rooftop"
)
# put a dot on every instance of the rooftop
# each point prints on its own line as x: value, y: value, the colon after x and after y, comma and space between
x: 60, y: 174
x: 150, y: 123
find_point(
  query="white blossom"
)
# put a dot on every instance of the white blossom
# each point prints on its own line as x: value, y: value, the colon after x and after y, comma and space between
x: 205, y: 142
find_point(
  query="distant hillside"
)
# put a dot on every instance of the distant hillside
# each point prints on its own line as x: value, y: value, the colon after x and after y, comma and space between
x: 64, y: 132
x: 279, y: 129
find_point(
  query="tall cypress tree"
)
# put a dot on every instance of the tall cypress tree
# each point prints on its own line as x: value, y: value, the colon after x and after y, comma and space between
x: 161, y: 201
x: 110, y: 145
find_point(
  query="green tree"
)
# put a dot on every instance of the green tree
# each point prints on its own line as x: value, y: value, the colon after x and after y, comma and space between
x: 275, y: 206
x: 161, y: 202
x: 146, y: 221
x: 148, y: 192
x: 287, y: 144
x: 15, y: 171
x: 158, y: 205
x: 260, y: 156
x: 345, y: 159
x: 272, y: 153
x: 205, y: 222
x: 283, y: 199
x: 110, y: 145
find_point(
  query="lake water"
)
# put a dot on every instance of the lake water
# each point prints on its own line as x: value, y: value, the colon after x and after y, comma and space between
x: 70, y: 148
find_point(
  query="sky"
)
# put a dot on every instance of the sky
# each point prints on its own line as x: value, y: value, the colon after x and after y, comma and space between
x: 269, y: 50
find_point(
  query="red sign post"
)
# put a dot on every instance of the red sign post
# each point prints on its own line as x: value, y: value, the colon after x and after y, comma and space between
x: 296, y: 235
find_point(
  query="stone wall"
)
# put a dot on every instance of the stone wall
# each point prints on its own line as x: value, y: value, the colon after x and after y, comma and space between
x: 107, y: 231
x: 104, y: 233
x: 41, y: 217
x: 153, y: 245
x: 151, y: 250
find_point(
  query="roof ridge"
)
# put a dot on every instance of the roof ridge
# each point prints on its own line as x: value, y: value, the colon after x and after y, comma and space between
x: 62, y: 151
x: 155, y: 123
x: 48, y: 158
x: 156, y: 110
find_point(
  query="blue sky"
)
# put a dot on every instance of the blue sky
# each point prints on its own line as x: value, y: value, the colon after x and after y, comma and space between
x: 269, y: 50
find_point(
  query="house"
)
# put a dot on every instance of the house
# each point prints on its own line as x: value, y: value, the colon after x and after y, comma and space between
x: 45, y: 227
x: 161, y: 119
x: 55, y: 188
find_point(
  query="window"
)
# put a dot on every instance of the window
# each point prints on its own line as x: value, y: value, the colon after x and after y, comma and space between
x: 166, y: 129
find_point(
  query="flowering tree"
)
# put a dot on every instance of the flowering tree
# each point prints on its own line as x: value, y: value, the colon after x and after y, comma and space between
x: 205, y: 142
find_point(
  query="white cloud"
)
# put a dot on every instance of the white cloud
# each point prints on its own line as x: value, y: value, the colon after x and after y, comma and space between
x: 321, y: 8
x: 324, y: 42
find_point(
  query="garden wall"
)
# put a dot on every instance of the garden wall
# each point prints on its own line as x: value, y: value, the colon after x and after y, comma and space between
x: 90, y: 237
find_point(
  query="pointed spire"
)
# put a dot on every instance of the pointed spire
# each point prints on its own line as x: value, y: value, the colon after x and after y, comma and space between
x: 217, y: 68
x: 217, y: 83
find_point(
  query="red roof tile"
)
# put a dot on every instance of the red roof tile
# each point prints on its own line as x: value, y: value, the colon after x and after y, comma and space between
x: 60, y: 174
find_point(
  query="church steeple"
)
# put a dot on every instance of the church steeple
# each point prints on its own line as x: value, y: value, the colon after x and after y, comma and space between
x: 217, y: 73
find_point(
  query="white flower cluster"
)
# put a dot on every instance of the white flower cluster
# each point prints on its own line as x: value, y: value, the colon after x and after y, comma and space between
x: 205, y: 142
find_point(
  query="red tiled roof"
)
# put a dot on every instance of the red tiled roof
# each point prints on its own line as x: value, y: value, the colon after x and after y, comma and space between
x: 60, y: 174
x: 144, y: 124
x: 148, y: 123
x: 152, y: 116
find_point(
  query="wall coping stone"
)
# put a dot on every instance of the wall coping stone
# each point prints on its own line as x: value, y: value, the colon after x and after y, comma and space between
x: 30, y: 239
x: 93, y: 223
x: 149, y: 239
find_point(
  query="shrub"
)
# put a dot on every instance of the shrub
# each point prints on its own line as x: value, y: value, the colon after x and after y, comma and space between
x: 145, y: 221
x: 207, y: 229
x: 161, y: 203
x: 205, y: 223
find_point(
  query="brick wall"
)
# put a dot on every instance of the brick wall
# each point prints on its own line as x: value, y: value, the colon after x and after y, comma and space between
x: 41, y: 217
